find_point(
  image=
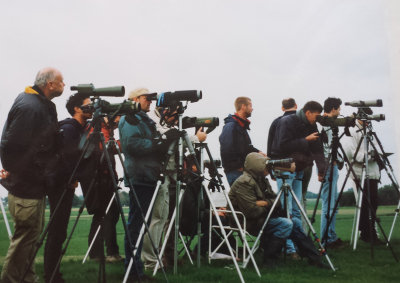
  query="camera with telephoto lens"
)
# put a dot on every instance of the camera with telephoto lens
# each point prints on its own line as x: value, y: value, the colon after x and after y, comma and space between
x: 207, y: 122
x: 167, y: 99
x: 349, y: 121
x: 90, y: 90
x: 103, y: 107
x: 365, y: 112
x: 286, y: 164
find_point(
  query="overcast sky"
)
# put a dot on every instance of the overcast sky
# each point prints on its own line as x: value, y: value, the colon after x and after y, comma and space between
x: 267, y: 50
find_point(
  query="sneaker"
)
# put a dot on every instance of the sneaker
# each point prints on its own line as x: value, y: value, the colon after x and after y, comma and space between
x: 114, y: 258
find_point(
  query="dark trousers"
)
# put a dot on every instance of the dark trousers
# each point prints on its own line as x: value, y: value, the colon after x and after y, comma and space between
x: 135, y: 221
x: 57, y: 232
x: 103, y: 192
x: 107, y: 234
x: 365, y: 209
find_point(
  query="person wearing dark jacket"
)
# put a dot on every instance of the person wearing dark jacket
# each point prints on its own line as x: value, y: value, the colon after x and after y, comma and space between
x: 72, y: 130
x: 251, y: 194
x: 143, y: 164
x: 289, y: 107
x: 235, y: 142
x: 297, y: 136
x: 28, y: 153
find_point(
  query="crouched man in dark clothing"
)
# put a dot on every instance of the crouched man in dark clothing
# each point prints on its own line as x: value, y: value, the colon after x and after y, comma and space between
x: 251, y: 194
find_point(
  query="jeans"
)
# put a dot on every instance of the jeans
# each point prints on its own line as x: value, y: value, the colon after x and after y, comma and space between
x: 135, y: 221
x: 331, y: 236
x: 295, y: 181
x: 279, y: 227
x: 232, y: 176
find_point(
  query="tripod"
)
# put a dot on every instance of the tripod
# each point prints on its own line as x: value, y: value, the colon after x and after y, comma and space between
x: 94, y: 139
x: 204, y: 186
x: 384, y: 163
x: 285, y: 190
x: 360, y: 187
x: 330, y: 170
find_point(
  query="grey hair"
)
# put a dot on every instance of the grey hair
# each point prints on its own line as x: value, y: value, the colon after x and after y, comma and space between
x: 44, y: 76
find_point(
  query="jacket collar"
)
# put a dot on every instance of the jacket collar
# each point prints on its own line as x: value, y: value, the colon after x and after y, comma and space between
x: 302, y: 116
x: 244, y: 123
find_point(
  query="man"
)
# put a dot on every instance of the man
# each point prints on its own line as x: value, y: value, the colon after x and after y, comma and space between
x: 142, y: 161
x: 235, y: 141
x: 29, y: 153
x: 329, y: 186
x: 99, y: 197
x: 251, y: 194
x: 72, y: 130
x: 289, y: 107
x: 297, y: 137
x: 350, y: 144
x: 165, y: 119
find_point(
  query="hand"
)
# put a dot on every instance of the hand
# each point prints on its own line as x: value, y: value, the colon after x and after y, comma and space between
x: 262, y: 153
x: 320, y: 178
x: 261, y: 203
x: 312, y: 137
x: 202, y: 136
x: 4, y: 174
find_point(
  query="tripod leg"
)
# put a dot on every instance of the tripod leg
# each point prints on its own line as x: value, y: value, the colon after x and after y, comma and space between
x: 5, y: 219
x: 167, y: 234
x: 394, y: 221
x: 277, y: 199
x: 98, y: 230
x: 185, y: 247
x: 356, y: 222
x: 323, y: 251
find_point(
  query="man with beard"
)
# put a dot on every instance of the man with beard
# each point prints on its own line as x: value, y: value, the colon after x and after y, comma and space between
x: 235, y: 141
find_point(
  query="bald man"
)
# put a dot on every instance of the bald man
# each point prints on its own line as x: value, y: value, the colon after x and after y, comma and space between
x: 28, y: 154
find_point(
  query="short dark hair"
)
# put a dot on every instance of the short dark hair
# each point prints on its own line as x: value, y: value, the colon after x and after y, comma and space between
x: 75, y: 100
x: 288, y: 103
x: 312, y: 106
x: 332, y: 103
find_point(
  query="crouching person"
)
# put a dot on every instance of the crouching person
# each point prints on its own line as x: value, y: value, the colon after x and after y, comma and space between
x: 251, y: 194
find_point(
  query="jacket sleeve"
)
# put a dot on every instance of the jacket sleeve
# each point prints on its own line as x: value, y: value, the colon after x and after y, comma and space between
x: 226, y: 139
x: 246, y: 200
x: 288, y: 142
x: 133, y: 139
x: 317, y: 150
x: 18, y: 139
x: 271, y: 134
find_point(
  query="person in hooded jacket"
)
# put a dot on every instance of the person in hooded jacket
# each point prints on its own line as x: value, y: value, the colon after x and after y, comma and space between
x: 252, y: 194
x: 235, y: 141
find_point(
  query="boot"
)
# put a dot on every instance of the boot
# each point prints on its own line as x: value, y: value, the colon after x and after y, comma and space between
x: 307, y: 249
x: 272, y: 248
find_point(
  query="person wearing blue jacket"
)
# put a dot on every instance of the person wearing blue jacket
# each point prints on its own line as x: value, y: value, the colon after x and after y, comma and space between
x: 235, y: 141
x: 143, y: 164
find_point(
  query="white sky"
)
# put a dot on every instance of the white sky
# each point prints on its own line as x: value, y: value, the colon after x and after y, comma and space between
x: 267, y: 50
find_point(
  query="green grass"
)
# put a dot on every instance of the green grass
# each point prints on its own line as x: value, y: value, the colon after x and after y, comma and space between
x: 354, y: 266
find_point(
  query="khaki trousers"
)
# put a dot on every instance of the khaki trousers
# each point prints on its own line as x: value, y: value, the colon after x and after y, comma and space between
x: 28, y: 216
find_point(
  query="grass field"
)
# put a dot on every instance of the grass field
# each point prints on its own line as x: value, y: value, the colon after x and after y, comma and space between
x: 353, y: 266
